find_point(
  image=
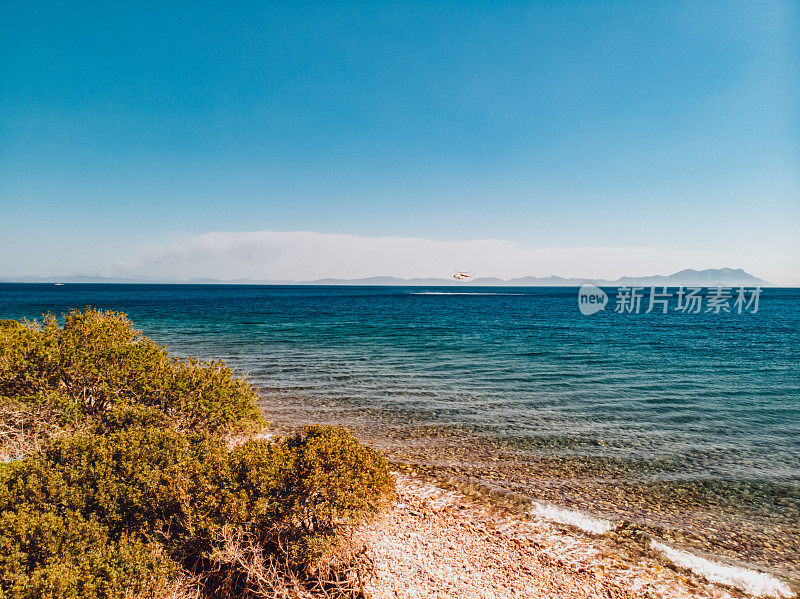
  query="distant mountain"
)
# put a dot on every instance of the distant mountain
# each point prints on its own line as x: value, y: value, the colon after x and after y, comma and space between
x: 712, y: 277
x: 728, y: 277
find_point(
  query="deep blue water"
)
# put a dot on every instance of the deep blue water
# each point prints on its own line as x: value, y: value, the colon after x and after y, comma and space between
x: 715, y: 397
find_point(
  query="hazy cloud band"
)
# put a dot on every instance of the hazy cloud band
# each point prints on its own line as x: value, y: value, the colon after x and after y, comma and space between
x: 307, y: 255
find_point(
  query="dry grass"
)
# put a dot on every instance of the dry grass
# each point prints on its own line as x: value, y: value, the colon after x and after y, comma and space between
x: 24, y: 429
x: 242, y: 569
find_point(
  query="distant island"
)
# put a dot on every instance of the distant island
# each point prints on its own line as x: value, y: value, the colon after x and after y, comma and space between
x: 728, y: 277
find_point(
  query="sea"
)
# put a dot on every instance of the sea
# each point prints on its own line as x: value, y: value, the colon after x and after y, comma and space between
x: 681, y: 424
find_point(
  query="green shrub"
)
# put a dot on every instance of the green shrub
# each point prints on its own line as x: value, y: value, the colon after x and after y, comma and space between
x: 98, y: 360
x: 151, y: 481
x: 133, y: 485
x: 46, y: 555
x: 302, y: 489
x: 141, y: 484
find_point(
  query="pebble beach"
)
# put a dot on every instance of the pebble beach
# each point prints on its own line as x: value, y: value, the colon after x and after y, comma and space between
x: 439, y: 543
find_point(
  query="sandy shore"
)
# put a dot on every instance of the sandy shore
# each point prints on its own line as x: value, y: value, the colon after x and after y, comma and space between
x: 441, y: 544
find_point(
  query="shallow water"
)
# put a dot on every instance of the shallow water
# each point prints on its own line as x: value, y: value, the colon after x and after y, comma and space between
x: 686, y: 424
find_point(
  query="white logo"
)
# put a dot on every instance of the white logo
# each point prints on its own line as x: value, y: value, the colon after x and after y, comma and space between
x: 591, y: 299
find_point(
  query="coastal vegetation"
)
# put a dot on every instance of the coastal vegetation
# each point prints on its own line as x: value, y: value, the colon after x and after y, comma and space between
x: 131, y: 473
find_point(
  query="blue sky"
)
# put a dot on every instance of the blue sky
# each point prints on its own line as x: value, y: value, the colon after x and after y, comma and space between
x: 596, y: 139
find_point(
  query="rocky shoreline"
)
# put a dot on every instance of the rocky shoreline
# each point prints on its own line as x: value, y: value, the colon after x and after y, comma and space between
x: 438, y: 542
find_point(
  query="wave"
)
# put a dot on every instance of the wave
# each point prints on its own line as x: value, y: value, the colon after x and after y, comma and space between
x: 752, y: 582
x: 585, y: 522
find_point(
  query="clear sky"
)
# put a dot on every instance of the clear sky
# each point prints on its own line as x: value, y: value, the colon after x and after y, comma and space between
x: 574, y: 138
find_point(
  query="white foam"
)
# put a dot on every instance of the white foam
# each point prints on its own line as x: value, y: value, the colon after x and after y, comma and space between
x: 749, y: 581
x: 585, y: 522
x: 459, y: 293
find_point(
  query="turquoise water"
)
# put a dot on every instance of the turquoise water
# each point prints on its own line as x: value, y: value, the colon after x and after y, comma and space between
x: 688, y: 424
